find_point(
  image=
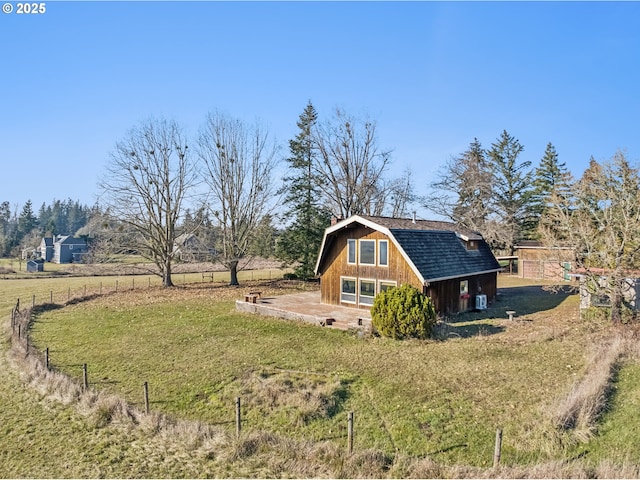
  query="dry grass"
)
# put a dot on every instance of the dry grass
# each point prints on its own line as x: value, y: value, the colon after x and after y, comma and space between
x: 158, y: 445
x: 586, y: 401
x: 184, y: 448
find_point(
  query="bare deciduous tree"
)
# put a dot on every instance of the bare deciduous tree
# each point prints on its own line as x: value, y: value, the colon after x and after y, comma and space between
x: 352, y: 166
x: 146, y: 185
x: 238, y: 162
x: 600, y: 221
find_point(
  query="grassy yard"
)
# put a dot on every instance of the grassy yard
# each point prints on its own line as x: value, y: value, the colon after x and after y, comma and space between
x: 440, y: 400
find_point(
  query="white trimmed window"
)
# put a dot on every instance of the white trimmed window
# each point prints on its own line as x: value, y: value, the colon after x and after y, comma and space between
x: 351, y: 251
x: 367, y: 252
x: 347, y: 290
x: 383, y: 253
x: 386, y: 285
x: 367, y: 292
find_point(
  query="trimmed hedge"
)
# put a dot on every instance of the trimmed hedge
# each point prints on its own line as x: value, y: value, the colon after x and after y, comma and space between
x: 403, y: 312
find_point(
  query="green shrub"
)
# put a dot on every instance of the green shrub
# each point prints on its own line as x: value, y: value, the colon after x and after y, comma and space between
x: 403, y: 312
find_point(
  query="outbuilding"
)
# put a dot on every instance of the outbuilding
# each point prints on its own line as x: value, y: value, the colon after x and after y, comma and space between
x: 35, y: 265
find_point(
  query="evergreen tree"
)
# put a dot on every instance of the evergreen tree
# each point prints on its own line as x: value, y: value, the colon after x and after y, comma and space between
x: 511, y: 189
x: 264, y: 239
x: 463, y: 191
x: 474, y: 184
x: 551, y: 177
x: 27, y: 220
x: 300, y: 242
x: 6, y: 228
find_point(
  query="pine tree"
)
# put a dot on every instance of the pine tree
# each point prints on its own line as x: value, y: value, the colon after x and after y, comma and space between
x: 511, y: 190
x: 474, y: 184
x: 27, y: 220
x: 551, y: 177
x: 300, y: 242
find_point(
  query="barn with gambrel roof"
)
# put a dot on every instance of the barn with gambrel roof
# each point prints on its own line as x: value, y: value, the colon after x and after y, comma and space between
x: 363, y: 255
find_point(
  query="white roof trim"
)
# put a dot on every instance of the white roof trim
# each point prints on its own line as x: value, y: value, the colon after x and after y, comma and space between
x: 379, y: 228
x: 373, y: 226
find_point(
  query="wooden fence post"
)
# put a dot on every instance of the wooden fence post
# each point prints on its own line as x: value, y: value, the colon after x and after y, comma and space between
x: 46, y: 358
x: 350, y: 433
x: 146, y: 397
x: 33, y: 301
x: 497, y: 449
x: 85, y: 377
x: 116, y: 285
x: 238, y: 417
x: 51, y: 296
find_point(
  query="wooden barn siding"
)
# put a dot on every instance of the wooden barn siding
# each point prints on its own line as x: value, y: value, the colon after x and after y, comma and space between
x: 446, y: 294
x: 335, y: 265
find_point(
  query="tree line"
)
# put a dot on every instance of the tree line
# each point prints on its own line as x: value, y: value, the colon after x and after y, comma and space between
x: 496, y: 192
x: 232, y: 183
x: 24, y: 227
x: 229, y: 176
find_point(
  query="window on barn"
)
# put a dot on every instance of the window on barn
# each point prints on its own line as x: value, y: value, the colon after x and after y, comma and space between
x: 472, y: 245
x: 386, y: 285
x: 367, y: 292
x: 383, y: 253
x: 367, y: 252
x: 348, y: 290
x: 351, y: 251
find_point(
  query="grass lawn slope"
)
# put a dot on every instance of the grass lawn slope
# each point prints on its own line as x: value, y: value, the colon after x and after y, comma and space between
x: 422, y: 408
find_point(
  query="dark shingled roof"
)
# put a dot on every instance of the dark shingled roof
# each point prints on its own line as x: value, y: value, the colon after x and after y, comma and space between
x: 437, y: 249
x: 441, y: 254
x: 430, y: 225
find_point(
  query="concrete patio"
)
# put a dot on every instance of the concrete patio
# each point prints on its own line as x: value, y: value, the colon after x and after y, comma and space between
x: 306, y: 307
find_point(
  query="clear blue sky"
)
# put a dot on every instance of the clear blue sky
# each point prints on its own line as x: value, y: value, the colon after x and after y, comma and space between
x: 434, y: 75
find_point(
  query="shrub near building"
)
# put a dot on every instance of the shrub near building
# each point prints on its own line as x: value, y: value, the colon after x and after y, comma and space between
x: 403, y: 312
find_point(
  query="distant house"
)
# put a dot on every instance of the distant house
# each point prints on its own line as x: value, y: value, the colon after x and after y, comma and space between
x: 46, y: 249
x: 362, y: 256
x: 63, y: 249
x: 189, y: 248
x: 540, y: 262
